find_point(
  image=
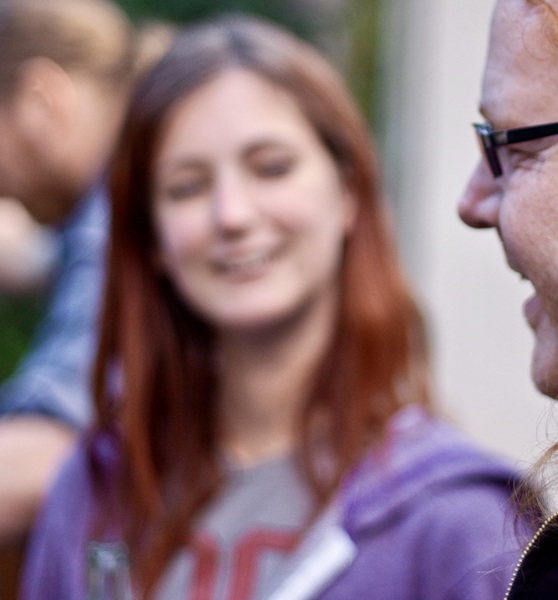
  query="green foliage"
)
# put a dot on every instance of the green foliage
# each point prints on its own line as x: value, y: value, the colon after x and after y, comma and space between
x: 18, y: 319
x: 181, y: 11
x: 362, y: 18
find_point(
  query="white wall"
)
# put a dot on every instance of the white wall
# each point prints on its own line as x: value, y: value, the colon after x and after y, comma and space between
x: 482, y: 346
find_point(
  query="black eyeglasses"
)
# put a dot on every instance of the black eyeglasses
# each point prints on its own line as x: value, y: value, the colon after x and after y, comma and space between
x: 490, y: 140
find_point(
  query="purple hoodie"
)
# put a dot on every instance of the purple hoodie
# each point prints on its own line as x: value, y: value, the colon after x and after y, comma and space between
x: 429, y: 517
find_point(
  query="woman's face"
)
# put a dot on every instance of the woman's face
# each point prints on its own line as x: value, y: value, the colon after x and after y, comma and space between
x: 249, y: 207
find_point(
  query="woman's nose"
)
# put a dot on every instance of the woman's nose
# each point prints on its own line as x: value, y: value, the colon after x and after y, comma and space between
x: 234, y: 208
x: 480, y: 202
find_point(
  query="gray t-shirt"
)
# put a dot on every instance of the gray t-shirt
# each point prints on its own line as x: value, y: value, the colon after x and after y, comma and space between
x: 244, y: 539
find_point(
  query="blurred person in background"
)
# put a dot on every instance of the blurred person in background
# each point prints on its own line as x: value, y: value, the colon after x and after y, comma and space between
x: 514, y: 190
x: 66, y: 70
x: 265, y: 426
x: 28, y: 251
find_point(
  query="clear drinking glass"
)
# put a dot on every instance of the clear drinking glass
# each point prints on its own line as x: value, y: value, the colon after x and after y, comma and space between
x: 108, y: 572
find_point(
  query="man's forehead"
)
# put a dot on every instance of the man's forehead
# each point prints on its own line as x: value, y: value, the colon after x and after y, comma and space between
x: 521, y: 76
x: 527, y: 18
x: 511, y: 18
x: 545, y: 4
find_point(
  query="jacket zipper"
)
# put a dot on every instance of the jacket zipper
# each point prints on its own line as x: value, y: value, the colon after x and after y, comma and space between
x: 527, y: 549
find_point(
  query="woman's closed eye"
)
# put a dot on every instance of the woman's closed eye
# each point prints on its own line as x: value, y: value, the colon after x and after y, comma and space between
x: 272, y: 168
x: 270, y: 161
x: 186, y: 187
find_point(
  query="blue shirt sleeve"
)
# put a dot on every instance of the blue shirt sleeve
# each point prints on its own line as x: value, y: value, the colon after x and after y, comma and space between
x: 53, y: 378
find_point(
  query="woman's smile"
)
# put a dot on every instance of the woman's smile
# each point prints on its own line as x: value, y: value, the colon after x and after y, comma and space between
x: 246, y: 266
x: 250, y: 206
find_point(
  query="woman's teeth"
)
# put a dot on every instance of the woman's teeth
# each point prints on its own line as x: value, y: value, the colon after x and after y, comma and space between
x: 245, y: 264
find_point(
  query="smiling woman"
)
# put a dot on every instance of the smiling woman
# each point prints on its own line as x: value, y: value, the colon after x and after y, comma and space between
x: 265, y: 427
x: 250, y: 223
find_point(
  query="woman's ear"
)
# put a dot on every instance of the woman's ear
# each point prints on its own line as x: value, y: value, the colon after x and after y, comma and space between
x: 47, y: 99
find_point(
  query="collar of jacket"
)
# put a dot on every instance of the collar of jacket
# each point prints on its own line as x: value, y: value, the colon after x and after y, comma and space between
x: 536, y: 576
x: 421, y: 455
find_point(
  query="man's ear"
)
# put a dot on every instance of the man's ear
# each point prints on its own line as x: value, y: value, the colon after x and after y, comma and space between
x: 46, y: 98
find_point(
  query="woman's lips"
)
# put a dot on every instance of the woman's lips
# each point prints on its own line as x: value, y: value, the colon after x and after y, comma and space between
x: 246, y: 266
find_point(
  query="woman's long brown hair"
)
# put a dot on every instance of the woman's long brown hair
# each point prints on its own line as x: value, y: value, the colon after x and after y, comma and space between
x: 155, y: 376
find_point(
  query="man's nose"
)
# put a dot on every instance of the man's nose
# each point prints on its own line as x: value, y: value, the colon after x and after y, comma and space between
x: 480, y: 202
